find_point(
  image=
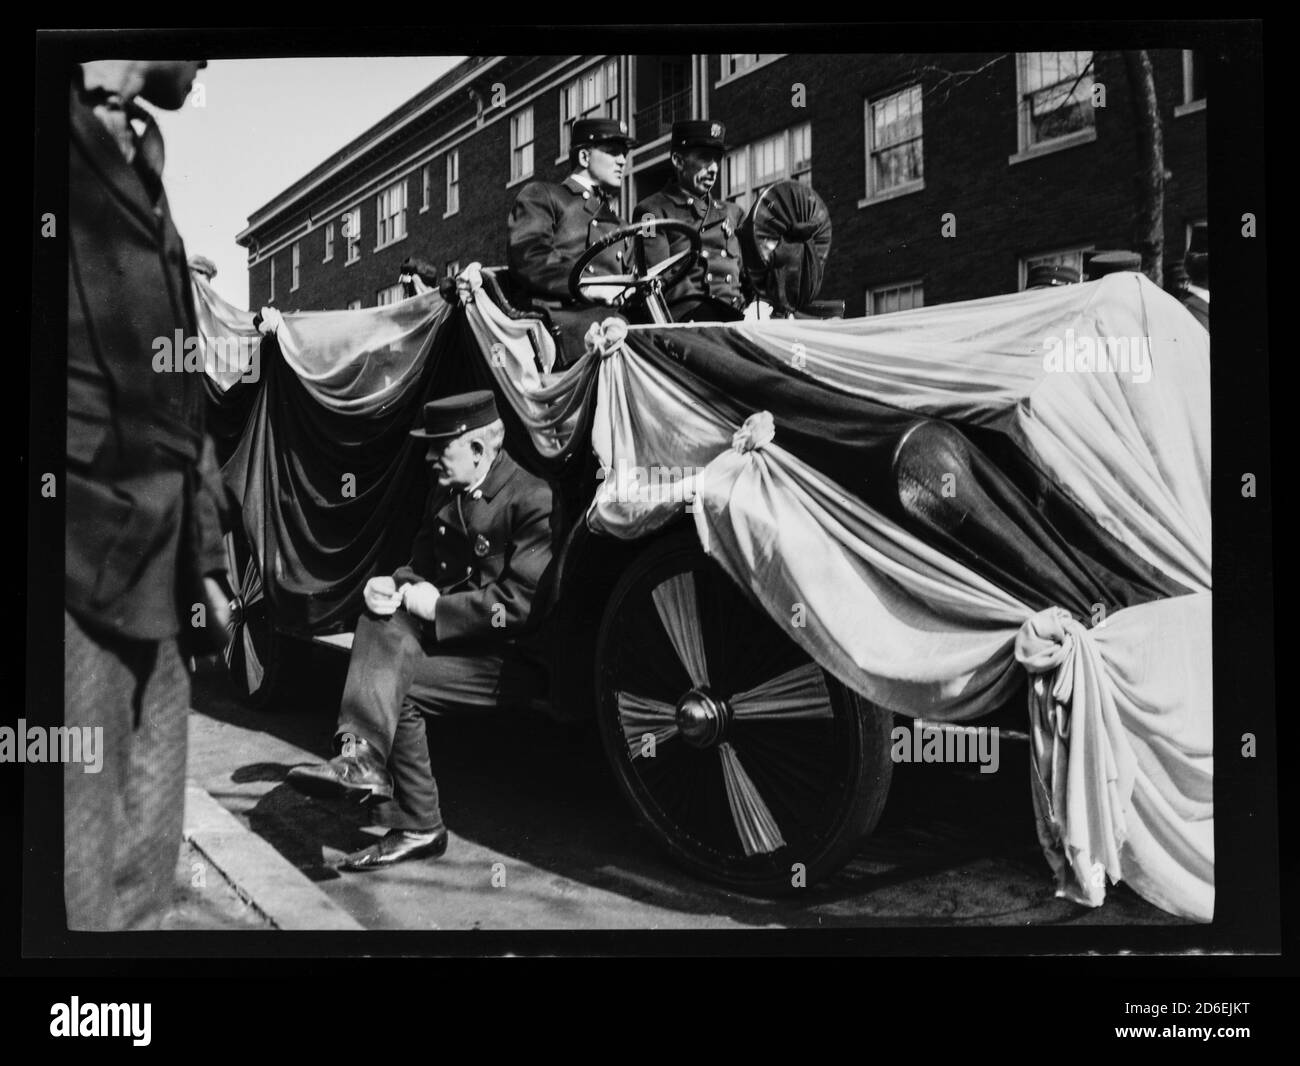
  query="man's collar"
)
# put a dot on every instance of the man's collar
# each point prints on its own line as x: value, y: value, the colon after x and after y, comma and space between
x: 680, y: 195
x: 582, y: 180
x: 1196, y: 290
x: 492, y: 482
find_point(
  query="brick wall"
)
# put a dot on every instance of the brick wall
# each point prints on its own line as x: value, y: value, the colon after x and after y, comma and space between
x: 1076, y: 196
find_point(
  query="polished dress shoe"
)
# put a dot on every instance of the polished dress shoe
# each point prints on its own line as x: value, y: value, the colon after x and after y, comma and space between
x: 394, y: 847
x: 360, y: 777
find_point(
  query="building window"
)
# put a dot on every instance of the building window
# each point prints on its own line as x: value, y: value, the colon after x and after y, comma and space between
x: 329, y: 242
x: 521, y: 144
x: 390, y: 215
x: 733, y: 66
x: 592, y: 94
x: 453, y: 182
x: 891, y: 298
x: 1069, y: 257
x: 750, y: 169
x: 1055, y: 93
x: 272, y: 277
x: 391, y: 295
x: 1193, y: 83
x: 352, y: 234
x: 452, y: 268
x: 426, y: 186
x: 295, y: 263
x: 895, y: 162
x: 354, y: 305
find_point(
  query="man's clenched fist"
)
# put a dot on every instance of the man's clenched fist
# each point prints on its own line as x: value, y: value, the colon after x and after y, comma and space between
x: 381, y: 595
x: 420, y: 599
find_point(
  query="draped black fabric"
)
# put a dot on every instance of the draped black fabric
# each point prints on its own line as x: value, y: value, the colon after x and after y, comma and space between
x: 998, y: 515
x: 785, y: 239
x: 329, y: 498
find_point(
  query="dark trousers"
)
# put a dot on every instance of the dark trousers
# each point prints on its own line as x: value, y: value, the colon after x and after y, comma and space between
x: 122, y: 825
x: 702, y: 308
x: 396, y: 676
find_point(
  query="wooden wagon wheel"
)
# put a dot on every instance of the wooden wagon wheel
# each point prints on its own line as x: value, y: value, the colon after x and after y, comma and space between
x: 253, y: 651
x: 750, y: 764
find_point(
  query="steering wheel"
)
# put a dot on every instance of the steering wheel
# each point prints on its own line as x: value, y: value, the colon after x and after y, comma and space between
x: 644, y: 281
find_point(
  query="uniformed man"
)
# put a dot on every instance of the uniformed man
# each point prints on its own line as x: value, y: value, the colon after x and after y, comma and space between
x: 715, y: 290
x: 551, y: 225
x: 448, y: 631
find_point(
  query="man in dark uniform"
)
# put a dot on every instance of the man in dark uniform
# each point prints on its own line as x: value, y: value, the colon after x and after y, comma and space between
x: 551, y: 225
x: 448, y: 631
x: 715, y: 290
x: 143, y: 540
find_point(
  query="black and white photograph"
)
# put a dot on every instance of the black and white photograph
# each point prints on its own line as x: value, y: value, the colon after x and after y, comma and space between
x: 605, y: 501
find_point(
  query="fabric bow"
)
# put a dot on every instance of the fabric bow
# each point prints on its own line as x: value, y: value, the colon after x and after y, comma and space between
x: 758, y: 431
x: 270, y: 320
x: 603, y: 337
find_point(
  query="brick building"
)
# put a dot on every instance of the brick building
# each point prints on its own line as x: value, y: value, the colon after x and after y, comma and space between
x: 1017, y: 157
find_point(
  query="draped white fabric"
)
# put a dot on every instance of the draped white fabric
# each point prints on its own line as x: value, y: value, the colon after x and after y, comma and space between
x: 1120, y: 714
x: 355, y: 362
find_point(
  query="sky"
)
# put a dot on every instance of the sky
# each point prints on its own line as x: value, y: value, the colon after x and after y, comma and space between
x: 263, y: 124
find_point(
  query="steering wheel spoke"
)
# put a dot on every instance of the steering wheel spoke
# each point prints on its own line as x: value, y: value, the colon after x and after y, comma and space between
x: 638, y: 285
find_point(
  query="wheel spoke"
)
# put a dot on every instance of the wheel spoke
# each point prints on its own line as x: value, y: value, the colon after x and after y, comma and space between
x: 608, y: 279
x: 641, y: 715
x: 679, y: 612
x: 252, y: 662
x: 664, y: 264
x: 797, y: 694
x: 758, y: 831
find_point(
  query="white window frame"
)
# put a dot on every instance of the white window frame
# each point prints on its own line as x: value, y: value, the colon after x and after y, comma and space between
x: 874, y: 195
x: 272, y: 297
x: 571, y: 99
x: 1079, y: 250
x: 453, y: 183
x: 352, y: 235
x: 295, y: 266
x: 389, y: 295
x: 426, y: 187
x: 451, y: 268
x: 874, y: 290
x: 518, y: 172
x: 390, y: 215
x: 1034, y: 150
x: 788, y: 170
x: 329, y: 242
x: 725, y: 75
x: 1189, y: 106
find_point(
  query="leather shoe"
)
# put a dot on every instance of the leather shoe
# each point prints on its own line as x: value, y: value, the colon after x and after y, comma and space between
x: 360, y: 777
x: 395, y: 846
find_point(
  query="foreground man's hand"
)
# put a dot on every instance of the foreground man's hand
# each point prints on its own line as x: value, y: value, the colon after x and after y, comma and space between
x: 420, y: 599
x: 381, y: 596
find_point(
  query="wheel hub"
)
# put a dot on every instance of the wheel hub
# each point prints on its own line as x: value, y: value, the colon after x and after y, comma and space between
x: 702, y: 719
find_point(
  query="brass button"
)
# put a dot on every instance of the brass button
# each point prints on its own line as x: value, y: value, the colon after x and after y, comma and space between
x: 478, y: 493
x: 442, y: 566
x: 442, y: 530
x: 586, y: 195
x: 469, y: 570
x: 705, y: 253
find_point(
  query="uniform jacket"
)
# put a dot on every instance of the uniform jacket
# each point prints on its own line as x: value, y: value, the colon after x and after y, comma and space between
x: 141, y: 518
x: 489, y: 553
x: 550, y: 226
x: 719, y: 273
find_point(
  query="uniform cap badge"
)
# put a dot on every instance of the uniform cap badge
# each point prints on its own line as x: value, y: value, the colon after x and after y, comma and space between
x: 715, y: 130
